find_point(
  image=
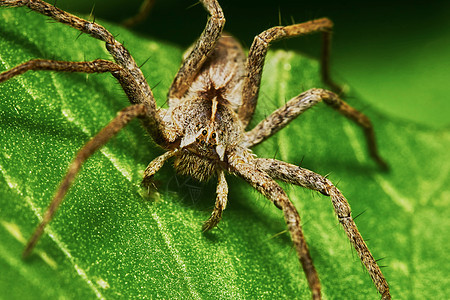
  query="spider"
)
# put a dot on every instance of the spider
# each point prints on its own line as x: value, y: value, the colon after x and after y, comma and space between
x: 211, y: 102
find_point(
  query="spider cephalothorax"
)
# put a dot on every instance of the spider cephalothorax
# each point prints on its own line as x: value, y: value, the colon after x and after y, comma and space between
x: 205, y: 120
x: 211, y: 102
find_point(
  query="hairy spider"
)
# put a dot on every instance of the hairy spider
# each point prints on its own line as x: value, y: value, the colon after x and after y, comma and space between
x: 211, y: 102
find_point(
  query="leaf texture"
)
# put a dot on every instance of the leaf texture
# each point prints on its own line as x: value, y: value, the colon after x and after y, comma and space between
x: 110, y: 239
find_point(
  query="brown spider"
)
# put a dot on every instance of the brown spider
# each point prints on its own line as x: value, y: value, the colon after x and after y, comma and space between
x: 211, y: 102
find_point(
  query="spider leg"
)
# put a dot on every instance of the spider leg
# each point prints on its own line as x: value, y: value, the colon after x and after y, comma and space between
x: 122, y: 119
x: 282, y: 116
x: 201, y: 50
x: 297, y: 105
x: 155, y: 165
x: 290, y: 173
x: 96, y: 66
x: 142, y: 14
x: 221, y: 202
x: 262, y: 182
x: 127, y: 81
x: 139, y: 92
x: 257, y: 55
x: 325, y: 63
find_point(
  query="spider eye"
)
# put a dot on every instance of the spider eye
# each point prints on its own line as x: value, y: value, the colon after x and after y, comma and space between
x: 213, y: 135
x: 204, y: 132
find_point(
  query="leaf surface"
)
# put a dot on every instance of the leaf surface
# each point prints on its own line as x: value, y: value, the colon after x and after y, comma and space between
x: 110, y: 240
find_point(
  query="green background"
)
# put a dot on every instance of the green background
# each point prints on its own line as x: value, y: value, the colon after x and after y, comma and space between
x: 111, y: 240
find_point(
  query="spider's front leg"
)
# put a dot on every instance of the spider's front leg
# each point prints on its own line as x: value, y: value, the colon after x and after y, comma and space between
x: 295, y: 175
x: 143, y: 12
x: 201, y: 50
x: 119, y: 122
x: 221, y: 202
x: 257, y: 56
x: 122, y: 119
x: 134, y: 83
x: 125, y: 70
x: 262, y: 182
x: 124, y: 77
x: 221, y: 191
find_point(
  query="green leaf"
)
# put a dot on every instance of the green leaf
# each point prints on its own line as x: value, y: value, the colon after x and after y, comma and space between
x: 109, y: 240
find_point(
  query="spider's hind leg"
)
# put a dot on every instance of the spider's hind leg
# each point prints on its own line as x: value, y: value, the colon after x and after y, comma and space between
x: 295, y: 175
x: 263, y: 182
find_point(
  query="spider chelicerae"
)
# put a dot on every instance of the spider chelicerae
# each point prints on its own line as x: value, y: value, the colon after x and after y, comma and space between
x: 211, y: 101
